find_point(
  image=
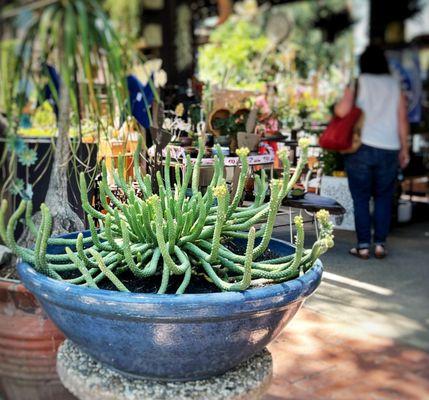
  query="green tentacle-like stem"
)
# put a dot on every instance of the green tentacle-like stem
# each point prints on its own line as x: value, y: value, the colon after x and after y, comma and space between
x: 107, y: 272
x: 84, y: 199
x: 299, y: 243
x: 220, y: 193
x: 186, y: 279
x: 28, y: 221
x: 82, y: 268
x: 42, y: 241
x: 8, y: 234
x: 165, y: 279
x: 173, y: 232
x: 186, y: 179
x: 302, y: 162
x: 272, y: 213
x: 3, y: 210
x: 197, y: 166
x: 284, y: 158
x: 168, y: 260
x: 241, y: 181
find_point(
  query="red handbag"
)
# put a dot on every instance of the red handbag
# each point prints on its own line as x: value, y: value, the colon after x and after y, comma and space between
x: 338, y: 135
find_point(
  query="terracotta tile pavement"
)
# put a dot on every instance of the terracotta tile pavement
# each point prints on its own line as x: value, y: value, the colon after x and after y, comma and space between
x: 321, y: 359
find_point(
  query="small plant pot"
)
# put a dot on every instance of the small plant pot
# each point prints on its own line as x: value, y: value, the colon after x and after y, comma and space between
x: 28, y: 347
x: 172, y: 337
x: 223, y: 141
x: 221, y: 113
x: 225, y: 151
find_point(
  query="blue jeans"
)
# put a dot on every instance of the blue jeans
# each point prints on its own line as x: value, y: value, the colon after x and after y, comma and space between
x: 372, y: 172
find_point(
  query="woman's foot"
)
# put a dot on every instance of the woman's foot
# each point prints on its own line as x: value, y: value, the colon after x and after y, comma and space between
x: 380, y: 251
x: 360, y: 253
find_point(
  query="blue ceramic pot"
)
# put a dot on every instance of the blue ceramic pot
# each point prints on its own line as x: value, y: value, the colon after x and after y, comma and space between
x: 172, y: 337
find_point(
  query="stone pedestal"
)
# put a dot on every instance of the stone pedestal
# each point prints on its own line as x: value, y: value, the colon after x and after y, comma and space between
x: 88, y: 379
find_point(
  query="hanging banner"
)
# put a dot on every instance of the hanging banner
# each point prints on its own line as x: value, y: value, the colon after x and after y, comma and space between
x: 405, y: 65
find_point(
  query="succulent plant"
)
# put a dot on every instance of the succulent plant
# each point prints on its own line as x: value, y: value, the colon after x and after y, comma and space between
x: 172, y: 232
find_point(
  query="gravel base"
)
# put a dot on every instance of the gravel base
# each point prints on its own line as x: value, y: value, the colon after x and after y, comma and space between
x: 88, y: 379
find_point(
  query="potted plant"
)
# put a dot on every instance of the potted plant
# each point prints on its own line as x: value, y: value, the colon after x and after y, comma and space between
x: 28, y: 341
x: 76, y: 44
x: 28, y: 347
x: 227, y: 125
x: 224, y: 288
x: 77, y: 39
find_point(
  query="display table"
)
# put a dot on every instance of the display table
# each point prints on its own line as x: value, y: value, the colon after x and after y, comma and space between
x: 231, y: 164
x: 88, y: 379
x: 311, y: 203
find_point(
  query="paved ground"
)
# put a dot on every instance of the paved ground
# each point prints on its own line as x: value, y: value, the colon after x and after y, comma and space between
x: 319, y: 358
x: 365, y: 333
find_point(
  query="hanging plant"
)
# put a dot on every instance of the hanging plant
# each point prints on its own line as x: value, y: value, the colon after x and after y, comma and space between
x: 27, y: 157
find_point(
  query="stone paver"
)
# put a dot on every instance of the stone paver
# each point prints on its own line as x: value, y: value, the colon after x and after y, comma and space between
x: 319, y: 358
x: 385, y: 298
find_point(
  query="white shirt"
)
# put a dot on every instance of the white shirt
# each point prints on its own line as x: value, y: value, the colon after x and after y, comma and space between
x: 378, y: 97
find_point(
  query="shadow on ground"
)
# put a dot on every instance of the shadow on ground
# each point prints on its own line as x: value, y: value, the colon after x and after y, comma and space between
x: 318, y: 358
x: 387, y: 297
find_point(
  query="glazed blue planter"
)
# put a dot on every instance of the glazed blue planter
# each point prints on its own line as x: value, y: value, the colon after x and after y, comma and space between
x: 172, y: 337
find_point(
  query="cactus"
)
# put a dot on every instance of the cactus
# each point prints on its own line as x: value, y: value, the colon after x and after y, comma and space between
x: 169, y: 233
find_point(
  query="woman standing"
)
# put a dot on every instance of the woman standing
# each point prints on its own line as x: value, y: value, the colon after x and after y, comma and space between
x: 372, y: 170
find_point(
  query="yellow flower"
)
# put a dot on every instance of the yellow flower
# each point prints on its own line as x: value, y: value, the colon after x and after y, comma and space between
x: 323, y: 216
x: 276, y: 183
x: 303, y: 143
x: 328, y: 241
x: 220, y: 191
x: 283, y: 153
x: 180, y: 109
x: 298, y: 220
x: 152, y: 200
x: 242, y: 152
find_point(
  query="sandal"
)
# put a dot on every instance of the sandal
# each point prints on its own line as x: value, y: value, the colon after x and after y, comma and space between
x: 380, y: 252
x: 363, y: 253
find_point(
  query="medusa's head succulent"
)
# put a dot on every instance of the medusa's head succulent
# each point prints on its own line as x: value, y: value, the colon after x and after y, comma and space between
x: 174, y: 233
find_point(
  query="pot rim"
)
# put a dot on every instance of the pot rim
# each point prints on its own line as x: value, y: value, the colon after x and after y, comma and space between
x: 14, y: 285
x: 170, y: 306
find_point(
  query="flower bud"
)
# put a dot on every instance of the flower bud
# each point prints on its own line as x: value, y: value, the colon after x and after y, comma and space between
x: 220, y: 191
x: 242, y: 152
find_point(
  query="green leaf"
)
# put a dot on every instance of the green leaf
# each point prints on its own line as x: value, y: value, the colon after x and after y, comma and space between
x: 45, y: 24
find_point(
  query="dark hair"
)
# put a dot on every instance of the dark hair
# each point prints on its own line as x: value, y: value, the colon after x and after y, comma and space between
x: 373, y: 61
